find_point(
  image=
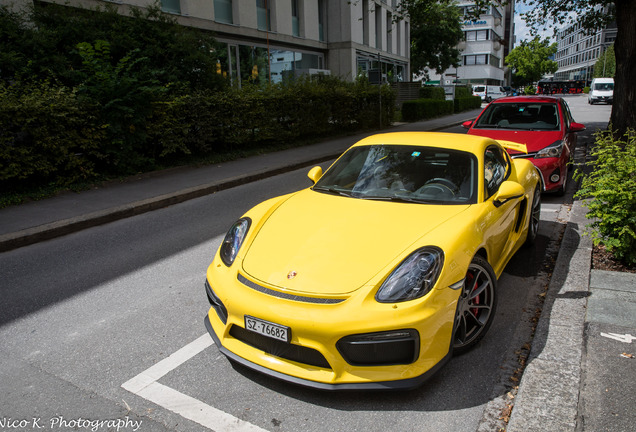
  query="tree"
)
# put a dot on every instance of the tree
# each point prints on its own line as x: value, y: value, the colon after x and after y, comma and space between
x: 606, y: 64
x: 531, y: 60
x: 436, y: 29
x: 592, y: 15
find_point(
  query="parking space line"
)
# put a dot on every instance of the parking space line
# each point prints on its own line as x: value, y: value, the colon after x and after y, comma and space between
x: 146, y: 386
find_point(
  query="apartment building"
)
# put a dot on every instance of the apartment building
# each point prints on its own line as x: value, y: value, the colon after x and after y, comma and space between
x: 272, y: 39
x: 578, y: 51
x: 487, y: 41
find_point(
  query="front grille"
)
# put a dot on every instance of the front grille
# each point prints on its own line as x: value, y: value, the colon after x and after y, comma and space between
x: 287, y: 296
x: 280, y: 349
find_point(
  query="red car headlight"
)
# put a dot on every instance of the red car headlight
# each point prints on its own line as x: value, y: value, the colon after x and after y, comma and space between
x: 553, y: 150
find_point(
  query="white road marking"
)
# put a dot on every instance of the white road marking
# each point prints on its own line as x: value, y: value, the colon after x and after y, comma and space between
x: 626, y: 338
x: 145, y: 385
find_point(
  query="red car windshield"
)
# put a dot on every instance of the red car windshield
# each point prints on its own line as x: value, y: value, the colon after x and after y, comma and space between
x: 532, y: 116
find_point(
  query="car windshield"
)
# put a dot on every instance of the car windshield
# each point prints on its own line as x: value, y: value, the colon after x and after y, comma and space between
x: 532, y: 116
x: 403, y: 173
x: 604, y: 86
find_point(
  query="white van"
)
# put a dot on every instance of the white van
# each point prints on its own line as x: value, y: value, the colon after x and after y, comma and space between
x: 488, y: 93
x: 601, y: 90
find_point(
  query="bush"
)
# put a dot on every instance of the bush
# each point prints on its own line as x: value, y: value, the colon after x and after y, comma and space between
x: 46, y: 136
x: 463, y: 92
x: 611, y: 189
x: 586, y: 90
x: 467, y: 103
x: 530, y: 90
x: 420, y: 109
x: 432, y: 92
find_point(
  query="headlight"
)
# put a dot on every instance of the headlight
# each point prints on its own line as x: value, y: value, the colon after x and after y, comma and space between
x: 415, y: 277
x: 233, y: 240
x: 553, y: 150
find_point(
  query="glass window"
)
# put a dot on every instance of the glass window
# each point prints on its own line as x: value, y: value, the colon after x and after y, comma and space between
x: 495, y: 170
x: 482, y: 35
x: 262, y: 15
x: 295, y: 18
x: 403, y: 173
x: 321, y: 20
x: 520, y: 116
x: 172, y: 6
x: 223, y: 11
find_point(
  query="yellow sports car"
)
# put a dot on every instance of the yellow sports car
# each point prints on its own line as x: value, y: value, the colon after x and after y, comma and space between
x: 374, y: 276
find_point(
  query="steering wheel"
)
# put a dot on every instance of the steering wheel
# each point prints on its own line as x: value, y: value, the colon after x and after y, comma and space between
x: 439, y: 181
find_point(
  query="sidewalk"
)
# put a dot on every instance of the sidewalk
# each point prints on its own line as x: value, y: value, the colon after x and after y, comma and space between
x: 70, y: 212
x: 580, y: 374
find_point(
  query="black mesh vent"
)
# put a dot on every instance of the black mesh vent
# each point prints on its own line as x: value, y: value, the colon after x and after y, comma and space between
x: 280, y: 349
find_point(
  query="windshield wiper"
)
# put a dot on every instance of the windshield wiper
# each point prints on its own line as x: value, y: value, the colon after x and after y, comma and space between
x: 332, y: 190
x: 397, y: 199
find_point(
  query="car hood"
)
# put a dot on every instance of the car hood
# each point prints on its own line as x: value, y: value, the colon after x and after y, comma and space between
x: 333, y: 245
x: 534, y: 140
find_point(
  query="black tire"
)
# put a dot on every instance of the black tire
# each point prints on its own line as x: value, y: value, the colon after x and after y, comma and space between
x: 476, y: 306
x: 534, y: 217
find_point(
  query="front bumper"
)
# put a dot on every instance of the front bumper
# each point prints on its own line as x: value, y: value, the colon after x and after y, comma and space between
x: 316, y: 355
x: 405, y: 384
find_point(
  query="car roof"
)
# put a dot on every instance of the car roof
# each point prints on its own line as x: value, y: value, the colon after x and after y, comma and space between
x: 518, y: 99
x: 468, y: 143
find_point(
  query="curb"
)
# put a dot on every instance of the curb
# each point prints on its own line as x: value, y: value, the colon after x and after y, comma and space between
x: 548, y: 394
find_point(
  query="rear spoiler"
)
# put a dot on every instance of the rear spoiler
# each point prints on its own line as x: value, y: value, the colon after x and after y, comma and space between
x: 510, y: 145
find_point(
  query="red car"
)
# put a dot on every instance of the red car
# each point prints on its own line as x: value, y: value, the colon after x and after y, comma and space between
x: 543, y: 123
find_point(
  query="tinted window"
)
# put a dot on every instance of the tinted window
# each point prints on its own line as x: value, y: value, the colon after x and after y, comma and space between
x: 495, y: 170
x: 520, y: 116
x: 403, y: 173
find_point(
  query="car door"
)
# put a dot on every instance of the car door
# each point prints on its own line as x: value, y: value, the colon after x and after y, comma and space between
x: 500, y: 219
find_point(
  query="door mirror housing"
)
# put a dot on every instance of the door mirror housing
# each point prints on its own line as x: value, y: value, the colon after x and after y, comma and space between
x: 508, y: 190
x: 314, y: 174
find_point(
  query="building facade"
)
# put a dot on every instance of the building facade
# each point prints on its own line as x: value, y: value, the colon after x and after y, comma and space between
x: 487, y: 41
x: 577, y: 51
x: 273, y: 39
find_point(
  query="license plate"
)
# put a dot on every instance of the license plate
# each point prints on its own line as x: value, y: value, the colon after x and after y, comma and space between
x: 266, y: 328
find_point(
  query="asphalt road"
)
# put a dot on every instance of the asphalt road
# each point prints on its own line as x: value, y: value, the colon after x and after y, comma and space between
x: 123, y: 304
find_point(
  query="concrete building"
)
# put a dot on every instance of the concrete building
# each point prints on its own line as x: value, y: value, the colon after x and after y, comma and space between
x: 578, y: 51
x: 271, y: 39
x: 487, y: 41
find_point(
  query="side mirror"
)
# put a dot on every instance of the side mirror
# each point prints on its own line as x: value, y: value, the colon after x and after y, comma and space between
x: 508, y: 190
x: 467, y: 124
x: 576, y: 127
x: 314, y: 174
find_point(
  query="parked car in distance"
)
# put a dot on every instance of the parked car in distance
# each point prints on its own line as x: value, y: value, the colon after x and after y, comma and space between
x: 543, y: 123
x: 489, y: 93
x: 601, y: 90
x: 377, y: 274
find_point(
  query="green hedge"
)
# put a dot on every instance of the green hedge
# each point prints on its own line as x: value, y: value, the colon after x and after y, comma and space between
x: 467, y: 103
x: 463, y: 92
x: 53, y: 135
x: 46, y: 134
x: 432, y: 92
x: 420, y: 109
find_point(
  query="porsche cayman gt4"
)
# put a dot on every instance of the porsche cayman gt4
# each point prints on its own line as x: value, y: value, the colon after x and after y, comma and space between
x: 375, y: 275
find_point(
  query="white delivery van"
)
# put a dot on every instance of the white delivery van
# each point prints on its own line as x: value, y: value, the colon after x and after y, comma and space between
x: 601, y: 90
x: 488, y: 93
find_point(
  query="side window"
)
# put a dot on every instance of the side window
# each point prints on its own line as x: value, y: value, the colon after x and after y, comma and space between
x: 567, y: 114
x: 495, y: 170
